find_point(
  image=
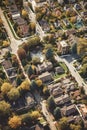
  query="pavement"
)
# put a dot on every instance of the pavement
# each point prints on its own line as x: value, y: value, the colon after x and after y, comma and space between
x: 48, y: 116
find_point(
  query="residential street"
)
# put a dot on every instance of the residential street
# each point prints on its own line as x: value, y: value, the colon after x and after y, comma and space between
x: 74, y: 72
x: 48, y: 116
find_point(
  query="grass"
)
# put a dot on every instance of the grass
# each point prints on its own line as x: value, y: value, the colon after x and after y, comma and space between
x: 62, y: 64
x: 57, y: 76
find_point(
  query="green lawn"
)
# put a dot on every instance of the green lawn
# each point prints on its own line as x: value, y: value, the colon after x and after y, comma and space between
x: 62, y: 64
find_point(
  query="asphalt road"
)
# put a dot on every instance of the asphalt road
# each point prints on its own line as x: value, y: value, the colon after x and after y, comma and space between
x: 74, y: 73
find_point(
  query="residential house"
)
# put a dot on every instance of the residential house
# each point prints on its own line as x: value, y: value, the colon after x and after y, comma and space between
x: 11, y: 72
x: 57, y: 92
x: 25, y: 102
x: 69, y: 110
x: 45, y: 66
x: 63, y: 47
x: 64, y: 99
x: 72, y: 40
x: 45, y: 77
x: 59, y: 70
x: 70, y: 31
x: 54, y: 86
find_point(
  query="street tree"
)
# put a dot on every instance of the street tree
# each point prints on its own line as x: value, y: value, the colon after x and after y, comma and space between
x: 15, y: 122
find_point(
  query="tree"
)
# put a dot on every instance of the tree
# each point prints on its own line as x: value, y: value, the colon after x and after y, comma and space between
x: 15, y: 122
x: 5, y: 43
x: 30, y: 70
x: 13, y: 94
x: 35, y: 115
x: 14, y: 61
x: 24, y: 13
x: 4, y: 108
x: 5, y: 88
x: 32, y: 26
x: 75, y: 127
x: 49, y: 53
x: 63, y: 124
x: 51, y: 103
x: 74, y: 48
x: 57, y: 113
x: 35, y: 60
x: 21, y: 53
x: 2, y: 74
x: 1, y: 22
x: 39, y: 82
x: 25, y: 86
x: 73, y: 19
x: 33, y: 85
x: 29, y: 58
x: 25, y: 47
x: 18, y: 80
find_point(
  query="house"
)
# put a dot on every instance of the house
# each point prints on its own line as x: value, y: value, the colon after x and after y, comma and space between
x: 45, y: 66
x: 7, y: 64
x: 69, y: 110
x: 63, y: 47
x: 72, y: 40
x: 57, y: 92
x: 70, y: 31
x: 29, y: 99
x: 54, y: 86
x: 45, y: 77
x: 83, y: 110
x: 24, y: 103
x: 70, y: 87
x: 64, y: 99
x: 66, y: 81
x: 59, y: 70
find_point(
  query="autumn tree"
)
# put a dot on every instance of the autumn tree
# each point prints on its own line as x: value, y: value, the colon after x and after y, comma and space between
x: 32, y: 26
x: 14, y: 61
x: 25, y: 86
x: 39, y: 82
x: 35, y: 115
x: 4, y: 108
x: 15, y: 122
x: 63, y: 124
x: 24, y: 13
x: 5, y: 88
x: 25, y: 47
x: 21, y: 53
x: 1, y: 22
x: 13, y: 94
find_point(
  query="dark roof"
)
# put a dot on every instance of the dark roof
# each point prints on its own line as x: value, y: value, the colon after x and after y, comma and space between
x: 7, y: 64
